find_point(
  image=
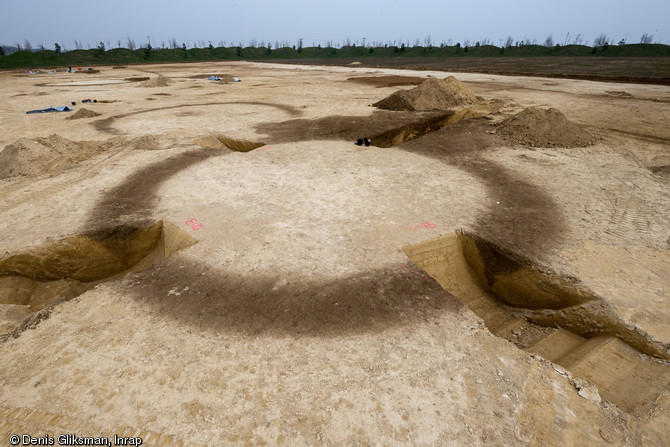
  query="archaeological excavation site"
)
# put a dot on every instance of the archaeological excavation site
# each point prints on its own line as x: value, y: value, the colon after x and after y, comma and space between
x: 334, y: 256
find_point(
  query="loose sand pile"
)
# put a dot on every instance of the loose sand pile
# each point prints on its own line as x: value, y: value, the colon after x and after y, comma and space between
x: 83, y: 113
x: 145, y: 143
x: 160, y: 81
x: 31, y: 157
x: 432, y: 94
x: 544, y: 128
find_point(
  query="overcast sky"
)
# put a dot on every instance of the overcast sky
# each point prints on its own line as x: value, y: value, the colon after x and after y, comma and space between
x: 320, y: 21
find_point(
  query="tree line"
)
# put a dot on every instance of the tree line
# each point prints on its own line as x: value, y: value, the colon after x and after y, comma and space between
x: 172, y: 43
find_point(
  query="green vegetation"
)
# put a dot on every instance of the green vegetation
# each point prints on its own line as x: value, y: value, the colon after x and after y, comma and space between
x: 121, y: 56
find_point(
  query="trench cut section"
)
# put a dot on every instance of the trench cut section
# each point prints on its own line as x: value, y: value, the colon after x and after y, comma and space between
x: 224, y: 142
x: 554, y: 316
x: 411, y: 131
x: 59, y: 271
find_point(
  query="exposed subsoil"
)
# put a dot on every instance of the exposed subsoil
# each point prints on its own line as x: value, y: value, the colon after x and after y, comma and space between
x: 296, y: 318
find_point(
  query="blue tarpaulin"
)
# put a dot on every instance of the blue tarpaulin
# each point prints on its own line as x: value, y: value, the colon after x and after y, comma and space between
x: 214, y: 78
x: 52, y: 109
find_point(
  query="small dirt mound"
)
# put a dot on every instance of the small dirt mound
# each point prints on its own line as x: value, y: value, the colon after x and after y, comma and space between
x: 544, y: 128
x: 83, y: 113
x: 431, y: 94
x: 30, y: 157
x: 145, y: 143
x: 160, y: 81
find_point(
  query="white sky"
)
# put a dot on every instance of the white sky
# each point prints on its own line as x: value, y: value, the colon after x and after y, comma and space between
x: 319, y: 21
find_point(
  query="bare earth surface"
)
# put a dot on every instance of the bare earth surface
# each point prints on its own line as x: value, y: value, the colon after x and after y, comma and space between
x: 296, y: 317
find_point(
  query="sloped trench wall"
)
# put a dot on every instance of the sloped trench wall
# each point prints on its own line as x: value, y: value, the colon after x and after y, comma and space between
x: 547, y: 314
x: 36, y: 279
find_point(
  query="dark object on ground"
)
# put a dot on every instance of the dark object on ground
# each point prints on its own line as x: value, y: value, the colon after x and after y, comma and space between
x: 51, y: 109
x: 362, y: 141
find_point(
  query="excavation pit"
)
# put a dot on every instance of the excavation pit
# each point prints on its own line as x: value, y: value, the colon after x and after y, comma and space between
x: 411, y: 131
x: 550, y: 315
x: 59, y: 271
x: 224, y: 142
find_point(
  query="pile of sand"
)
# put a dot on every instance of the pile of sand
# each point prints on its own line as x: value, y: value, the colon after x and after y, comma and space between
x: 431, y: 94
x: 30, y: 157
x: 160, y: 81
x: 544, y: 128
x: 83, y: 113
x: 145, y: 143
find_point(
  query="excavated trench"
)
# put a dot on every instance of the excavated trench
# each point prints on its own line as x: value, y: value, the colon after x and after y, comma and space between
x: 36, y: 279
x: 411, y: 131
x: 547, y: 314
x: 223, y: 142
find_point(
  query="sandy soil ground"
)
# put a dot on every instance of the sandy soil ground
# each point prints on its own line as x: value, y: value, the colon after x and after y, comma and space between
x: 297, y: 318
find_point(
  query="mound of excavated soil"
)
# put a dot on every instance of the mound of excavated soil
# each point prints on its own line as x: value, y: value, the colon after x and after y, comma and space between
x: 83, y: 113
x: 544, y: 128
x: 51, y: 155
x: 431, y: 94
x: 160, y: 81
x: 145, y: 143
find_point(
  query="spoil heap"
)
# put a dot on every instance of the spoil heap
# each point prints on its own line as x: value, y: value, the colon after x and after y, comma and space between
x: 33, y: 157
x: 544, y: 128
x: 160, y: 81
x: 83, y: 113
x: 432, y: 94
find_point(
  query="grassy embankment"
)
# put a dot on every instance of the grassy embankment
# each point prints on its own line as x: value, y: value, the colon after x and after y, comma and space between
x: 641, y: 63
x: 120, y: 56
